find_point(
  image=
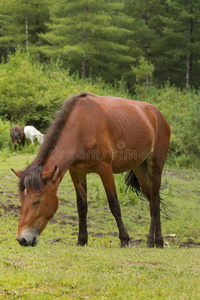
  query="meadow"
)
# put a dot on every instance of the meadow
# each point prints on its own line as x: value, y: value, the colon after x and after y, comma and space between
x: 57, y: 269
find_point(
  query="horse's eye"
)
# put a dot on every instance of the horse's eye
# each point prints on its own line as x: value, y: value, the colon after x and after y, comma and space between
x: 37, y: 202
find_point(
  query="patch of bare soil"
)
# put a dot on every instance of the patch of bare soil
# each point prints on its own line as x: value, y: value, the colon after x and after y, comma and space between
x: 190, y: 244
x: 136, y: 243
x: 11, y: 209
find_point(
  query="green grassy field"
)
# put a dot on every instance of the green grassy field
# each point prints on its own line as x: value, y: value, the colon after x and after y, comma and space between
x: 57, y: 269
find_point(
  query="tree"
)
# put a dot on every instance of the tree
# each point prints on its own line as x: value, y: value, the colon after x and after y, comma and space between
x: 20, y: 23
x: 167, y: 33
x: 87, y: 37
x: 147, y: 30
x: 143, y: 72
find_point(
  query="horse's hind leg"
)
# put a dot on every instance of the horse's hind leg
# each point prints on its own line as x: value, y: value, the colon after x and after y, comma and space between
x: 80, y: 185
x: 155, y: 226
x: 149, y: 177
x: 106, y: 174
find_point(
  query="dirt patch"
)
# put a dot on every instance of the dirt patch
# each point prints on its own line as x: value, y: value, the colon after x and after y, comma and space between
x: 190, y: 244
x: 136, y: 243
x: 56, y: 241
x: 13, y: 209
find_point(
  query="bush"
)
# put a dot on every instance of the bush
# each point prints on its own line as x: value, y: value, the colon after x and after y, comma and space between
x: 30, y: 93
x: 5, y: 139
x: 182, y: 111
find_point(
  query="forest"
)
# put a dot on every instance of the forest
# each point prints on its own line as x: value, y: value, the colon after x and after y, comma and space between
x: 108, y: 38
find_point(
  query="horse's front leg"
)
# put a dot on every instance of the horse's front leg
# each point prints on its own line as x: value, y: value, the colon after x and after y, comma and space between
x: 80, y: 185
x: 106, y: 174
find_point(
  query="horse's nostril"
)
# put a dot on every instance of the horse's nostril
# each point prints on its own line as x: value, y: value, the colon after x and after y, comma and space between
x: 23, y: 242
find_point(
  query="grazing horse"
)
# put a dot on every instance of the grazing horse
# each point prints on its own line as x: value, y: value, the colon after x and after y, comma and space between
x: 94, y: 134
x: 18, y: 136
x: 32, y: 133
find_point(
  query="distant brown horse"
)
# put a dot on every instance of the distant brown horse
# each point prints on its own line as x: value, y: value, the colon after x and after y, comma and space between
x: 18, y: 136
x: 103, y: 135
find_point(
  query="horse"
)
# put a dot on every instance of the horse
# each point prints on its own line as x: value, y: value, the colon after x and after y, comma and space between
x: 18, y: 136
x: 32, y: 133
x: 95, y: 134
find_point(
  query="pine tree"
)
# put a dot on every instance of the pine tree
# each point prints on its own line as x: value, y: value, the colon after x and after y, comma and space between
x: 147, y: 29
x: 181, y: 39
x: 20, y: 23
x: 166, y: 32
x: 87, y: 36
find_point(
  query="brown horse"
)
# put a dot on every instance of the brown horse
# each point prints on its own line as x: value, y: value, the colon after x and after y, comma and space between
x: 18, y: 136
x: 104, y: 135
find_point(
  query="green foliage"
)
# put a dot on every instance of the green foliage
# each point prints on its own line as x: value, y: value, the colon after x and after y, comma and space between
x: 30, y: 93
x: 181, y: 109
x: 5, y: 140
x: 143, y: 72
x: 90, y: 37
x: 105, y: 38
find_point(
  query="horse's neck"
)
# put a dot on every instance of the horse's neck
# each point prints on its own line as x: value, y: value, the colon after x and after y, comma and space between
x: 61, y: 156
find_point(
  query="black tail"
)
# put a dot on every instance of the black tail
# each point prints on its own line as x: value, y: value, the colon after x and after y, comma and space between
x: 132, y: 182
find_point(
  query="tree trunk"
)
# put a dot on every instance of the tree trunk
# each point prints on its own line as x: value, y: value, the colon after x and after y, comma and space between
x: 189, y: 56
x: 26, y: 25
x: 83, y: 68
x: 187, y: 71
x: 83, y: 65
x: 146, y: 54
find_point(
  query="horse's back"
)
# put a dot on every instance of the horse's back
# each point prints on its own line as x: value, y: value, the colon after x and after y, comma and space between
x: 122, y: 117
x: 30, y: 130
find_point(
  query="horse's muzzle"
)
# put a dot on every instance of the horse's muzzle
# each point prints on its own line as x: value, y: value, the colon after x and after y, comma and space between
x: 28, y: 239
x: 25, y: 243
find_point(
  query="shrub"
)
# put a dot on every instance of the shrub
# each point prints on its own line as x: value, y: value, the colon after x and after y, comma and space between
x: 30, y: 93
x: 5, y: 139
x: 182, y: 111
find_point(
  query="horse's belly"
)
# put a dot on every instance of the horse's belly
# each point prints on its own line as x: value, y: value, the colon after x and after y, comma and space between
x: 127, y: 159
x: 119, y: 166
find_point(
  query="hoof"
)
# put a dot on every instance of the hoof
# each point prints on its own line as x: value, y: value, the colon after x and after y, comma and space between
x: 159, y: 244
x: 124, y: 245
x: 150, y: 243
x: 81, y: 243
x: 125, y: 242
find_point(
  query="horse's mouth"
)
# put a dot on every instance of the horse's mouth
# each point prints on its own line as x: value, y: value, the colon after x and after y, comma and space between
x: 35, y: 241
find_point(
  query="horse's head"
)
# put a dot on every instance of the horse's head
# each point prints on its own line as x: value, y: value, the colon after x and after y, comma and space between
x: 15, y: 138
x: 40, y: 138
x: 37, y: 207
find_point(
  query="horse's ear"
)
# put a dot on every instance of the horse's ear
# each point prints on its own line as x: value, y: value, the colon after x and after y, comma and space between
x: 17, y: 173
x: 50, y: 175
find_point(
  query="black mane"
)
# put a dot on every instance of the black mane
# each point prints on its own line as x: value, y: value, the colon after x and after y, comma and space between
x: 31, y: 176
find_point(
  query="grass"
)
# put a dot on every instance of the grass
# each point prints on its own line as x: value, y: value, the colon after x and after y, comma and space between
x: 57, y: 269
